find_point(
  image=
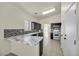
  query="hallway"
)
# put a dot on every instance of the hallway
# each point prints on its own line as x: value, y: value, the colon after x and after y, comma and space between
x: 53, y: 49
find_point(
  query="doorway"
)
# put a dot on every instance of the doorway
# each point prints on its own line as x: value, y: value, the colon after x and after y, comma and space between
x: 51, y: 47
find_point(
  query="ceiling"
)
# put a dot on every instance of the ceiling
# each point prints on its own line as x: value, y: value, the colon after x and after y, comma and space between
x: 35, y: 9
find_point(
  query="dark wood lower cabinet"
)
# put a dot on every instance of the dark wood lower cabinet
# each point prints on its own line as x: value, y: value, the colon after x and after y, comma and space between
x: 40, y: 34
x: 51, y: 35
x: 41, y: 48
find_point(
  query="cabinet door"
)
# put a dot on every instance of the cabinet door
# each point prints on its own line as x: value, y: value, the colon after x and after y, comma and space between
x: 35, y: 26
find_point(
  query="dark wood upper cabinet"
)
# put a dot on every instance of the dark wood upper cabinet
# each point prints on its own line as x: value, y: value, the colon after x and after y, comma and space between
x: 54, y: 25
x: 35, y: 26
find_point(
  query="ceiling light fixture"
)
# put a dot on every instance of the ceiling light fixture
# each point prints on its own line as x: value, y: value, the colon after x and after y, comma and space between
x: 48, y: 11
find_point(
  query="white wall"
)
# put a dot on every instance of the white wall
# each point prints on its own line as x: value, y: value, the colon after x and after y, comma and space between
x: 12, y: 17
x: 46, y: 40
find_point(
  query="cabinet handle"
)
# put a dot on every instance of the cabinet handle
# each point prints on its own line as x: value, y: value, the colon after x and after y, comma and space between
x: 65, y: 38
x: 74, y: 42
x: 65, y: 35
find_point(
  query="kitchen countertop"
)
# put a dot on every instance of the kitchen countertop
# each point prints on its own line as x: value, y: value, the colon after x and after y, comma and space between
x: 26, y: 39
x: 33, y: 33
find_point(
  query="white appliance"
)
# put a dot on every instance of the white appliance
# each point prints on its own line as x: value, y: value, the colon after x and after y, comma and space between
x: 56, y: 34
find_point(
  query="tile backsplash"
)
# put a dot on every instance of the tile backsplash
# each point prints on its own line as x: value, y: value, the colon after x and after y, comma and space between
x: 13, y: 32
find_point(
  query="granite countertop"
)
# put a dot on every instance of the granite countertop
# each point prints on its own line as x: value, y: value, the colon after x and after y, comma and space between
x: 21, y: 36
x: 32, y: 40
x: 25, y: 39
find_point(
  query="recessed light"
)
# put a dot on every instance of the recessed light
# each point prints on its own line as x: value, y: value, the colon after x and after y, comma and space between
x: 48, y: 11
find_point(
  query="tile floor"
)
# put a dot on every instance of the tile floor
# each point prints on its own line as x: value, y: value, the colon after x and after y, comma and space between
x: 53, y: 48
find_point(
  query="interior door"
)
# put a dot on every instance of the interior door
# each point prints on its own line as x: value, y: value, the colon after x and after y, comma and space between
x: 70, y: 32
